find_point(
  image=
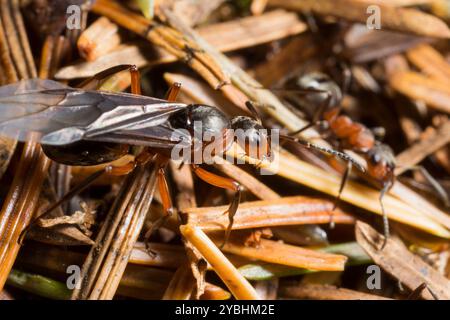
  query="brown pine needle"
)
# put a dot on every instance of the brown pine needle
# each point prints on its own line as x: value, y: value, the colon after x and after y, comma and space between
x: 275, y: 212
x: 284, y: 254
x: 435, y: 93
x: 181, y: 285
x: 290, y: 167
x: 165, y: 255
x: 430, y: 61
x: 236, y: 283
x: 423, y: 148
x: 394, y: 18
x: 213, y: 292
x: 21, y: 201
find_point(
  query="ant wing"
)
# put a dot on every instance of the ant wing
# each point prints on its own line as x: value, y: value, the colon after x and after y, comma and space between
x: 159, y: 137
x: 50, y: 113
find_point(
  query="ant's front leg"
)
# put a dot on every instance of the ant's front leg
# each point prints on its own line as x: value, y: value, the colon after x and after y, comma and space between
x: 224, y: 183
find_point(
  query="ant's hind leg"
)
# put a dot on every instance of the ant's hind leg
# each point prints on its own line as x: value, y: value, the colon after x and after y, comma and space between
x: 224, y: 183
x: 121, y: 170
x: 97, y: 80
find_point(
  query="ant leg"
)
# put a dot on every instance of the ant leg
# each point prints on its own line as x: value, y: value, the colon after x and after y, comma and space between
x: 341, y: 188
x: 251, y: 107
x: 172, y: 93
x: 224, y: 183
x: 415, y: 295
x: 433, y: 182
x: 96, y: 81
x: 141, y: 159
x: 166, y: 203
x: 384, y: 214
x: 317, y: 115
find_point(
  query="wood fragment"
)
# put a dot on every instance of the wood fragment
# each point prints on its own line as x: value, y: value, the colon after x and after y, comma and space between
x: 100, y: 38
x: 406, y: 267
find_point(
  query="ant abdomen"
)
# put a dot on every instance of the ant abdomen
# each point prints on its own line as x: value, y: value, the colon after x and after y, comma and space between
x: 85, y: 153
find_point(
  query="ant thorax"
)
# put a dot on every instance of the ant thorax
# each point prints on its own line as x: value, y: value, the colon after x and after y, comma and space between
x: 209, y: 130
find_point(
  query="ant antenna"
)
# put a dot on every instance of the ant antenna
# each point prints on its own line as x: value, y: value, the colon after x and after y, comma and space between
x: 333, y: 152
x: 251, y: 107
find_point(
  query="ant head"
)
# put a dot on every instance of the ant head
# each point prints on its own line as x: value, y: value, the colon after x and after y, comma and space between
x: 252, y: 137
x: 321, y: 82
x: 381, y: 162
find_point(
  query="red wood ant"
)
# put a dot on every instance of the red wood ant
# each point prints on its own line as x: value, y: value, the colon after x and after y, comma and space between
x: 320, y: 93
x: 87, y: 127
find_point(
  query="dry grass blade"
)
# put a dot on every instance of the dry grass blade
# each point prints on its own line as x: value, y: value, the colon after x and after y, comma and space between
x: 364, y: 197
x: 109, y: 256
x: 325, y: 292
x: 274, y: 212
x: 423, y: 148
x: 394, y: 18
x: 239, y: 287
x: 406, y: 267
x: 283, y: 254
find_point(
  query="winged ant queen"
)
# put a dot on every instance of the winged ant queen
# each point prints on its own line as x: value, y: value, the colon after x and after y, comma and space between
x: 84, y: 127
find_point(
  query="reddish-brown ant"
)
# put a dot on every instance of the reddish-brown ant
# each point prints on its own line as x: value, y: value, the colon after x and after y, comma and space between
x: 88, y: 127
x: 320, y: 93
